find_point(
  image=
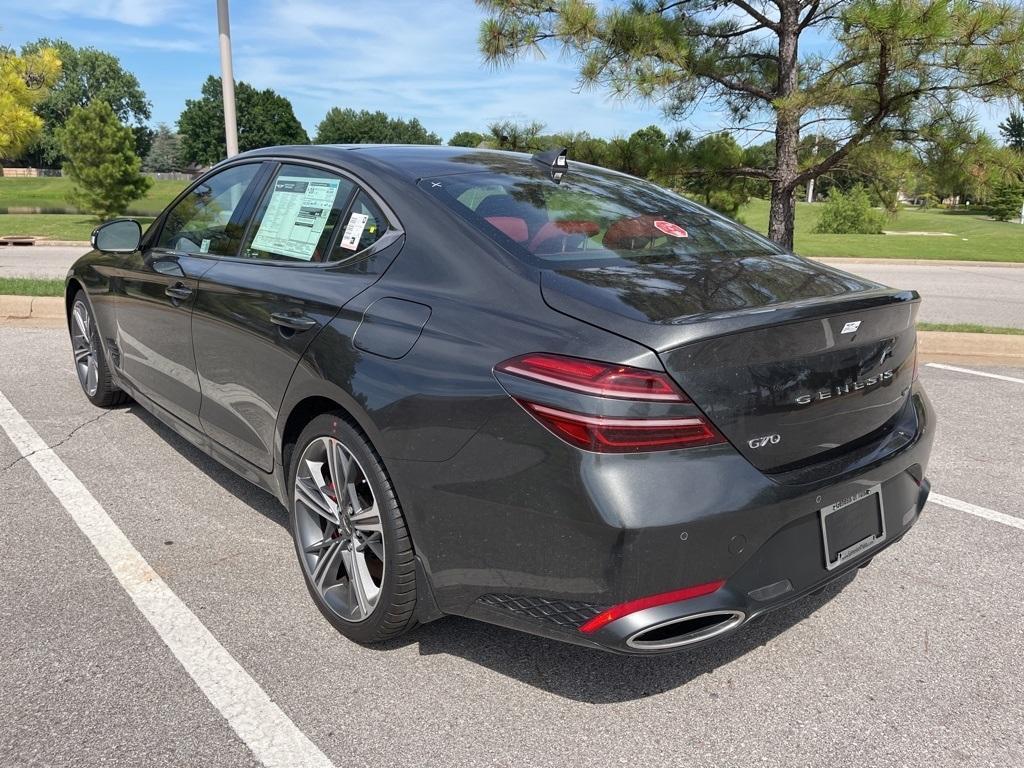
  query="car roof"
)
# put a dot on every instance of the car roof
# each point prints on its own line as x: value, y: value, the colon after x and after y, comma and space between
x: 409, y: 162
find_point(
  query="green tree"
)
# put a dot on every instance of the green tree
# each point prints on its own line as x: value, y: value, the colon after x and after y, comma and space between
x: 516, y: 136
x: 709, y: 161
x: 265, y: 119
x: 961, y: 161
x: 1012, y: 131
x: 883, y: 167
x: 1006, y: 201
x: 101, y: 161
x: 346, y: 126
x: 466, y: 139
x: 87, y: 75
x: 24, y: 81
x: 582, y: 147
x: 165, y: 153
x: 884, y: 57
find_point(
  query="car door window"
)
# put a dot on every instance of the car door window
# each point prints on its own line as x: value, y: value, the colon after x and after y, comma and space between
x: 205, y: 221
x: 298, y: 215
x: 365, y: 224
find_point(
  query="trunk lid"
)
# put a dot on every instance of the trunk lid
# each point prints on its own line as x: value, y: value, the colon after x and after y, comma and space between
x: 793, y: 361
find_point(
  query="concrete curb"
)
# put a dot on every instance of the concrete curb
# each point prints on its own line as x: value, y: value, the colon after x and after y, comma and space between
x: 32, y: 311
x: 837, y: 260
x: 992, y: 348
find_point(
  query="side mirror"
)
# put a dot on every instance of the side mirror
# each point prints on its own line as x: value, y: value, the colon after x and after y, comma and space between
x: 118, y: 236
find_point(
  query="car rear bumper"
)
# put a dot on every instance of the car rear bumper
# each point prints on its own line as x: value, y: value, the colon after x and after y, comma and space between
x: 551, y: 539
x: 782, y: 573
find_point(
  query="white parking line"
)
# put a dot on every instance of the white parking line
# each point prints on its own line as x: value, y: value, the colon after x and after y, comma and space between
x: 975, y: 373
x: 273, y: 738
x: 974, y: 509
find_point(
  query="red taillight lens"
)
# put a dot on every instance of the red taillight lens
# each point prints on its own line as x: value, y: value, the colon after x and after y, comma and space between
x: 653, y: 601
x: 593, y: 378
x: 604, y: 435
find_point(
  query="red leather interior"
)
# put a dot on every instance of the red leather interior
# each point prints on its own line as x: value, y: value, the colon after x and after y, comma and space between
x: 562, y: 228
x: 513, y: 227
x: 632, y: 234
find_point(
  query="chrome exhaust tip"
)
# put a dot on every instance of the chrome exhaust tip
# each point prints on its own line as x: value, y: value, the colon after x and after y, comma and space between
x: 685, y: 630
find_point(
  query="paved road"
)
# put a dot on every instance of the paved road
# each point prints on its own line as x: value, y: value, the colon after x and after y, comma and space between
x: 955, y: 294
x: 916, y: 662
x: 952, y: 294
x: 37, y: 260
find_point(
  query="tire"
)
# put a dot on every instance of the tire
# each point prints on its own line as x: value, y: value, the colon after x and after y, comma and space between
x: 89, y: 359
x: 331, y: 536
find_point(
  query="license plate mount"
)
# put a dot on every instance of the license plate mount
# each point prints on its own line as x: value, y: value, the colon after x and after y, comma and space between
x: 852, y: 526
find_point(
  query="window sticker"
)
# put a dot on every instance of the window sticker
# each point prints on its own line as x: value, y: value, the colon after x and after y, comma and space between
x: 673, y: 230
x: 296, y: 216
x: 354, y: 231
x: 204, y: 247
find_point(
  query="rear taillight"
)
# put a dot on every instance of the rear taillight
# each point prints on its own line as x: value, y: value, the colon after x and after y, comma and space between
x: 593, y: 378
x: 643, y: 603
x: 604, y: 435
x: 607, y: 434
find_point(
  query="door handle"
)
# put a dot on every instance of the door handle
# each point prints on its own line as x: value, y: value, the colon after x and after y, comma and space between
x: 294, y: 322
x: 178, y: 292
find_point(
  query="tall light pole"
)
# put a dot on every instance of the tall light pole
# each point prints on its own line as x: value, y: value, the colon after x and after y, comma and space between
x: 227, y: 79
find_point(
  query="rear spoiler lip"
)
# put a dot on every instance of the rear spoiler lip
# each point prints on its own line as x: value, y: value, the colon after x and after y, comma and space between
x: 703, y: 327
x: 688, y: 329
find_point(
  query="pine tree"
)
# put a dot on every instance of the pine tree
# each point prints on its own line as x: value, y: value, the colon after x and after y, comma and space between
x: 165, y: 154
x: 101, y: 161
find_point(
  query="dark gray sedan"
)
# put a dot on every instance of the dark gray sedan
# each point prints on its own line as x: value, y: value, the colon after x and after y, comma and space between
x: 515, y: 388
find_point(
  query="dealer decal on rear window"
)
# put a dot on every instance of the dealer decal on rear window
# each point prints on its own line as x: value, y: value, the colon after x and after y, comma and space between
x: 673, y: 230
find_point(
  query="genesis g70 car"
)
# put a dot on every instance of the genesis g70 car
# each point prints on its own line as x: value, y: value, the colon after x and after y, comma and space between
x: 519, y: 389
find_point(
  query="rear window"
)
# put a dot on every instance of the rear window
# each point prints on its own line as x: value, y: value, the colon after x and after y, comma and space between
x: 591, y: 218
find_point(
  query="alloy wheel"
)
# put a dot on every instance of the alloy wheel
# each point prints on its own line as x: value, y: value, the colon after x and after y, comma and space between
x: 341, y: 539
x: 84, y: 346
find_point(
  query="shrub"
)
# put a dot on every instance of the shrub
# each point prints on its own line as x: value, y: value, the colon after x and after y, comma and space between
x: 850, y: 214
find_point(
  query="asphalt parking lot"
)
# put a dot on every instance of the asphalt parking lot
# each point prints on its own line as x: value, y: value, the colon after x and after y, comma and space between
x: 918, y: 661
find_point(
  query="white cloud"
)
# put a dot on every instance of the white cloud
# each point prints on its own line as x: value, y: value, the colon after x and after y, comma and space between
x: 137, y: 13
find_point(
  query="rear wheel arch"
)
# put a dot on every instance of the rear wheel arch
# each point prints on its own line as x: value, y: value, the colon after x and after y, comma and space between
x: 301, y: 414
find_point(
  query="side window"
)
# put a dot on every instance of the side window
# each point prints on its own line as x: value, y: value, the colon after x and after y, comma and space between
x: 298, y: 215
x: 364, y: 226
x: 202, y: 222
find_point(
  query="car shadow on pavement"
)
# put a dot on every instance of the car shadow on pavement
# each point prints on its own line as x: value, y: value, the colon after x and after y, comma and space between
x: 261, y: 501
x: 596, y: 677
x: 573, y: 672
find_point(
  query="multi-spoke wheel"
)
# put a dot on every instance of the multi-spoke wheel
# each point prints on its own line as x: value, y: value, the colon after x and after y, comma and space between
x: 349, y: 533
x: 90, y: 363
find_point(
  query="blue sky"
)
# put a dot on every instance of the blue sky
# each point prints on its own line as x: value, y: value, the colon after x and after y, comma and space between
x: 408, y: 58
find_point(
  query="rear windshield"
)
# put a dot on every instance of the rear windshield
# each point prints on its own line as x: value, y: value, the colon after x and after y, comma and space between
x: 591, y: 218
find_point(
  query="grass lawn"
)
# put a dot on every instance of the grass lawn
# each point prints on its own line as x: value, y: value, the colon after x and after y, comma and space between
x: 53, y: 226
x: 969, y: 328
x: 975, y: 238
x: 30, y: 286
x: 51, y: 192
